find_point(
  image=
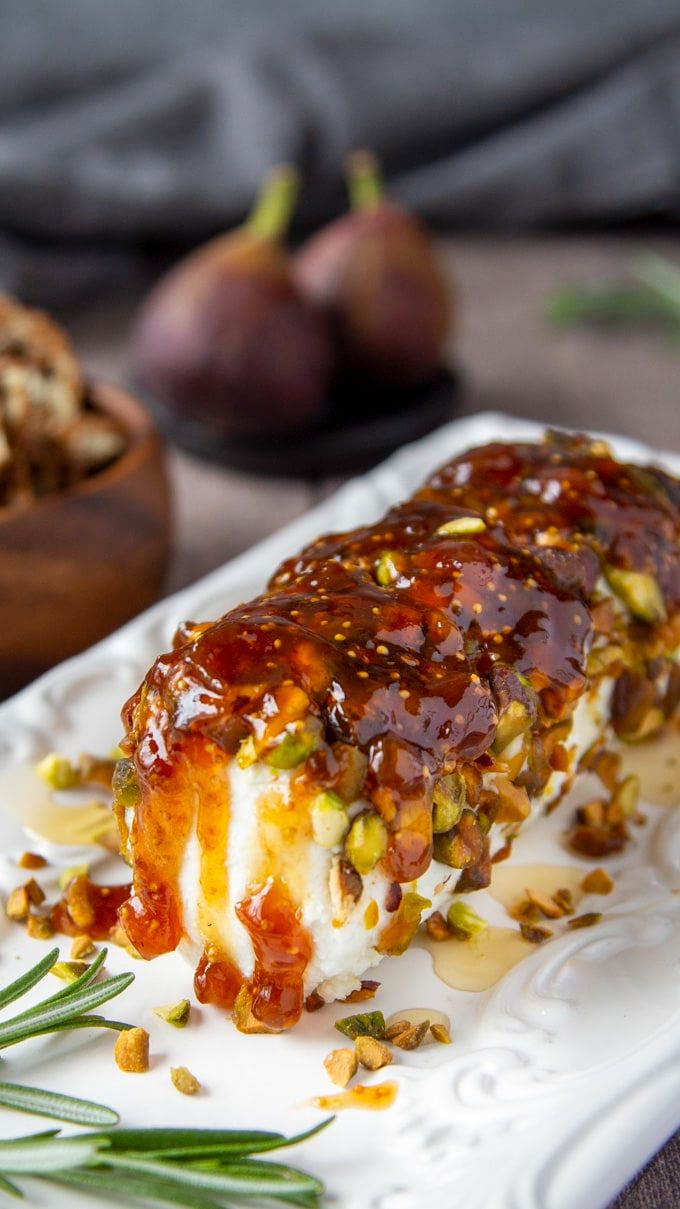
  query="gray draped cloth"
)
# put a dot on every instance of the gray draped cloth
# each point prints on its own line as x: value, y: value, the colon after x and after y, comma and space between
x: 133, y: 128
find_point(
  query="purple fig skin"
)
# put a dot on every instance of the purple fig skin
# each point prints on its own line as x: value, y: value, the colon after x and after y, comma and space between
x: 226, y: 339
x: 375, y: 273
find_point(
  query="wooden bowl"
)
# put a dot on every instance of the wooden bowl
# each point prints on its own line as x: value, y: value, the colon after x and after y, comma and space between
x: 79, y: 563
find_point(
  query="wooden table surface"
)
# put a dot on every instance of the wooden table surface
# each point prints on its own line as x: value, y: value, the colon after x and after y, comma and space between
x: 514, y: 362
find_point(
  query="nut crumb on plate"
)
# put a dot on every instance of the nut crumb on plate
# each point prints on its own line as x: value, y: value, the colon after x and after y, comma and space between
x: 131, y: 1050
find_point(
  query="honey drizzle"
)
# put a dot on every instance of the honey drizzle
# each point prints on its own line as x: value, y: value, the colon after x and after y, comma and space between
x: 376, y: 1097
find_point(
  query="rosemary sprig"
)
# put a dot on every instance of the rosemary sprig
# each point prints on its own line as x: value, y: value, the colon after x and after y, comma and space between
x: 200, y: 1169
x: 195, y: 1168
x: 651, y: 295
x: 66, y: 1009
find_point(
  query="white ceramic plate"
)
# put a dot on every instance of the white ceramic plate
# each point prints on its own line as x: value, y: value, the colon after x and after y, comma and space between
x: 562, y: 1079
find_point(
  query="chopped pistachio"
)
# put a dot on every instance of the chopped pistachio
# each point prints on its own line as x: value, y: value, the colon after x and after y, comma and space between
x: 563, y: 899
x: 448, y: 798
x: 57, y: 771
x: 246, y: 754
x: 341, y: 1065
x: 462, y: 845
x: 39, y: 927
x: 627, y: 795
x: 413, y: 1036
x: 386, y: 570
x: 131, y: 1050
x: 398, y: 934
x: 440, y: 1034
x: 536, y: 933
x: 650, y: 722
x: 82, y: 946
x: 31, y: 860
x: 69, y: 971
x: 602, y: 658
x: 67, y: 875
x: 396, y: 1028
x: 372, y: 1054
x: 176, y: 1014
x: 598, y: 881
x: 77, y: 901
x: 437, y: 927
x: 330, y: 819
x: 345, y: 888
x: 592, y: 813
x: 363, y: 993
x: 514, y: 721
x: 461, y: 526
x: 365, y: 1024
x: 243, y: 1016
x: 294, y: 747
x: 366, y: 841
x: 17, y: 905
x: 640, y: 591
x: 464, y: 922
x: 35, y: 892
x: 525, y: 912
x: 545, y: 904
x: 514, y: 804
x: 125, y: 784
x: 585, y: 921
x: 184, y: 1081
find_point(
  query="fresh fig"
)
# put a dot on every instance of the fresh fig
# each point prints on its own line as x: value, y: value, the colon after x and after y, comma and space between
x: 375, y: 272
x: 226, y: 341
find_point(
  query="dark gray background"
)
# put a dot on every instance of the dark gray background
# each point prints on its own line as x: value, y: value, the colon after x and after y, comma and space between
x: 128, y: 128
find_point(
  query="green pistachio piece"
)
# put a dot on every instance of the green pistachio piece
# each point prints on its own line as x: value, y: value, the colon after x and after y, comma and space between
x: 514, y: 721
x: 366, y: 842
x: 398, y: 934
x: 462, y: 526
x: 176, y: 1014
x: 464, y: 922
x: 367, y: 1024
x: 57, y: 771
x: 294, y: 747
x: 69, y: 971
x: 448, y: 800
x: 648, y: 725
x: 330, y: 819
x: 67, y: 875
x: 125, y: 783
x: 462, y: 845
x: 386, y: 569
x: 639, y: 591
x: 602, y: 658
x: 626, y: 795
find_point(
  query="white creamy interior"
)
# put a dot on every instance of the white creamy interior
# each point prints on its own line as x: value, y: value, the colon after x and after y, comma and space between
x: 342, y: 954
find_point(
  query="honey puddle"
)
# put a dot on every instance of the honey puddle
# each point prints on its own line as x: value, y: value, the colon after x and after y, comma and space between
x: 31, y: 802
x: 375, y: 1098
x: 417, y: 1015
x: 657, y: 763
x: 479, y: 963
x: 509, y: 883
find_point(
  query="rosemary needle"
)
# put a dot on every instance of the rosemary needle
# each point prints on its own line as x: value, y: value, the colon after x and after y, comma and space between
x: 195, y: 1168
x: 66, y: 1009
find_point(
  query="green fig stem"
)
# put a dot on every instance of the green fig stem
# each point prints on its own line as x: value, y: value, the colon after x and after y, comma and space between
x: 364, y: 181
x: 274, y: 207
